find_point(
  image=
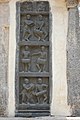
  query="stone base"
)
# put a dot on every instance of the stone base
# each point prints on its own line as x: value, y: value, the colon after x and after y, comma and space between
x: 41, y: 118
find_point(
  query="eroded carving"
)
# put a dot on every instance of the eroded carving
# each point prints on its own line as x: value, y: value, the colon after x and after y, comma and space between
x: 39, y: 30
x: 28, y: 24
x: 26, y: 6
x: 34, y: 59
x: 27, y: 92
x: 72, y: 3
x: 34, y: 93
x: 35, y: 29
x: 41, y: 6
x: 33, y: 54
x: 41, y: 92
x: 26, y: 59
x: 41, y: 61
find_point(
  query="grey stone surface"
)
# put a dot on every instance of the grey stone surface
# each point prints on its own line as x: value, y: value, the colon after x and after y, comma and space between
x: 4, y: 30
x: 43, y: 118
x: 32, y: 59
x: 36, y: 118
x: 73, y: 62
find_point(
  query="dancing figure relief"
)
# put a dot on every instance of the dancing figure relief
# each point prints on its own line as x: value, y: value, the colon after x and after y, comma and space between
x: 42, y: 59
x: 27, y: 92
x: 39, y: 30
x: 41, y: 92
x: 34, y: 93
x: 28, y: 24
x: 36, y: 28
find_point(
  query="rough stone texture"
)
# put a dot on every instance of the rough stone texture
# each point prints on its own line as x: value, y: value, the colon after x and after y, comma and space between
x: 59, y: 83
x: 4, y: 28
x: 41, y: 118
x: 72, y: 3
x: 73, y: 62
x: 38, y: 118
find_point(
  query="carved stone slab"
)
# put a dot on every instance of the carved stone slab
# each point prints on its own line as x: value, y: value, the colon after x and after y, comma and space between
x: 32, y: 58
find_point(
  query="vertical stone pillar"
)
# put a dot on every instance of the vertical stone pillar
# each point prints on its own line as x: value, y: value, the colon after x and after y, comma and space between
x: 73, y: 59
x: 59, y: 106
x: 4, y: 42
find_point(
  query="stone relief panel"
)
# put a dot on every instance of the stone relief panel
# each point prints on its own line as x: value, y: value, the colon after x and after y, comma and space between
x: 41, y: 6
x: 34, y: 28
x: 32, y: 61
x: 26, y: 6
x: 34, y: 6
x: 33, y: 91
x: 72, y: 3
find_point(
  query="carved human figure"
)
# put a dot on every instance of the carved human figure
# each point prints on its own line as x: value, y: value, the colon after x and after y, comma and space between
x: 27, y: 92
x: 41, y: 6
x: 26, y: 59
x: 28, y: 24
x: 29, y: 6
x: 41, y: 92
x: 39, y: 31
x: 42, y: 59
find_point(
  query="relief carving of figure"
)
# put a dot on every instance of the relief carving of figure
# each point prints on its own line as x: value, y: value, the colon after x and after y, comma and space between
x: 29, y: 6
x: 27, y: 92
x: 41, y: 6
x: 28, y: 24
x: 26, y: 59
x: 41, y: 92
x: 42, y: 59
x: 39, y: 31
x: 72, y: 3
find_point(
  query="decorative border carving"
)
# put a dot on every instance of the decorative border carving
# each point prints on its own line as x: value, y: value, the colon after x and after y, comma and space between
x: 71, y: 3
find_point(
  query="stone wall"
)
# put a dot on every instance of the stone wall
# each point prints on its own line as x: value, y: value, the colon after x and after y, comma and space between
x: 4, y: 49
x: 59, y: 21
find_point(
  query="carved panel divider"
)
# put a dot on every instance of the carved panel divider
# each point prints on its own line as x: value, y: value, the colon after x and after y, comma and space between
x: 32, y: 59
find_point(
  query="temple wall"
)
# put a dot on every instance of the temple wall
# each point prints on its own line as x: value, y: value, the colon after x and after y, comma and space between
x: 4, y: 51
x: 59, y: 26
x: 59, y: 35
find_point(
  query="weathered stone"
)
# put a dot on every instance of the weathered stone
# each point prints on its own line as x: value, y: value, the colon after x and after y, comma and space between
x: 32, y: 73
x: 73, y: 61
x: 4, y: 31
x: 43, y: 118
x: 72, y: 3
